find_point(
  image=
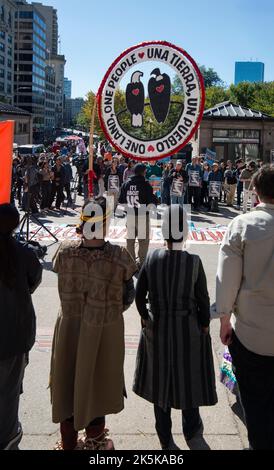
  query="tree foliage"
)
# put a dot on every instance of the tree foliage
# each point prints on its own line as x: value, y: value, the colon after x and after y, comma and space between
x: 211, y: 78
x: 214, y: 95
x: 84, y: 118
x: 258, y: 96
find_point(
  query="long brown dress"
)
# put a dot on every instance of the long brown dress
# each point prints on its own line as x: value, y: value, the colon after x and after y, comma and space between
x: 87, y: 377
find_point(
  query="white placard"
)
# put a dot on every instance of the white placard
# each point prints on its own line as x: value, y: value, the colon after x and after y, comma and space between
x: 114, y: 183
x: 177, y: 188
x: 215, y: 188
x: 194, y: 179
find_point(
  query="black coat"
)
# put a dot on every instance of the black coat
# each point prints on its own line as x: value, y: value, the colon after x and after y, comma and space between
x: 137, y: 191
x: 17, y: 316
x: 174, y: 367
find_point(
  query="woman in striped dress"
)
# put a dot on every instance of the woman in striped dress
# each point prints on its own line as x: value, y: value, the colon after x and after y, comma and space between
x: 174, y: 366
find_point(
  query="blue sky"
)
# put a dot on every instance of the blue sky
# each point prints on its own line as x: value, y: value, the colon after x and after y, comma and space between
x: 215, y: 33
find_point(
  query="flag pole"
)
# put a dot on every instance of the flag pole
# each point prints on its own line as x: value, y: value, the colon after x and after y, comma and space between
x: 91, y: 175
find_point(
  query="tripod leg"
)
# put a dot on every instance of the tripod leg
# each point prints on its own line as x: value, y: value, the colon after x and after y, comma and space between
x: 22, y: 223
x: 44, y: 227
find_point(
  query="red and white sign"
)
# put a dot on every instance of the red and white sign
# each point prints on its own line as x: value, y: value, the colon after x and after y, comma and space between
x: 157, y: 120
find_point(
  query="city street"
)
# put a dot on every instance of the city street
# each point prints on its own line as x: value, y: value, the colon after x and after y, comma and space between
x: 133, y: 429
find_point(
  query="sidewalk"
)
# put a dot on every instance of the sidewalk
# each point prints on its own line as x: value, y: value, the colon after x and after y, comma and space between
x: 134, y: 427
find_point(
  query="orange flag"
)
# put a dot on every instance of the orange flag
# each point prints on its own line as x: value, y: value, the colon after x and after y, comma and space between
x: 6, y: 152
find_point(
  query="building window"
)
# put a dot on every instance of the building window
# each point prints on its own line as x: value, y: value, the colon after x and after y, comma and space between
x: 9, y: 63
x: 2, y: 73
x: 2, y: 60
x: 2, y: 87
x: 236, y: 133
x: 2, y: 47
x: 251, y: 134
x: 26, y: 14
x: 22, y: 128
x: 2, y: 35
x: 220, y: 133
x: 252, y: 151
x: 10, y: 51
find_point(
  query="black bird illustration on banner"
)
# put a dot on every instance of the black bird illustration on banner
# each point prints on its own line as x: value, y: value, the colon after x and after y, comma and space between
x: 135, y: 98
x: 159, y: 90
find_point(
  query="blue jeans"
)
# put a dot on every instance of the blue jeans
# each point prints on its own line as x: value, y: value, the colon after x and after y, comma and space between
x: 177, y: 200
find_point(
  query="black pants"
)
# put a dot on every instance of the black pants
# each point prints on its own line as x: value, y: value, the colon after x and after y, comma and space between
x: 46, y: 194
x: 204, y: 194
x: 255, y: 377
x: 190, y: 420
x: 194, y: 193
x: 11, y: 378
x: 239, y: 194
x: 68, y: 191
x: 58, y: 192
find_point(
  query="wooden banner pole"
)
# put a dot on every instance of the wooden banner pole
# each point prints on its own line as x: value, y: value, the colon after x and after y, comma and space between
x: 91, y: 149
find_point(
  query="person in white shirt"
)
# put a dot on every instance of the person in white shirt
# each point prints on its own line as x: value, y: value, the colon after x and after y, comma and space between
x: 245, y: 288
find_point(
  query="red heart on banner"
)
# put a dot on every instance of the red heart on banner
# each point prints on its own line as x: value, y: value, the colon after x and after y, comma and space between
x: 151, y: 149
x: 160, y: 89
x: 135, y: 92
x: 141, y: 55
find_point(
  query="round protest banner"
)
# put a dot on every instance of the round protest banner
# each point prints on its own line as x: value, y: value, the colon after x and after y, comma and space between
x: 151, y: 101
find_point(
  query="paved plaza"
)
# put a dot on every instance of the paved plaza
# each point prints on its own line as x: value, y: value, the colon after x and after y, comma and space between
x: 133, y: 429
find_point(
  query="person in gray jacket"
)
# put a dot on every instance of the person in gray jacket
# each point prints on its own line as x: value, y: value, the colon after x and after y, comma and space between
x: 245, y: 288
x: 20, y: 275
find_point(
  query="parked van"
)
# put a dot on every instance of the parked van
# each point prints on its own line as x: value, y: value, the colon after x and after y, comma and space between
x: 31, y: 149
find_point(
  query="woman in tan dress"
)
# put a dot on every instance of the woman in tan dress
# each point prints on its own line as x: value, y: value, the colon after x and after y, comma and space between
x: 95, y: 287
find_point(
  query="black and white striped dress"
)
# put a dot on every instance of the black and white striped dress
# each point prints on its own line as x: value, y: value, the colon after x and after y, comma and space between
x: 174, y: 366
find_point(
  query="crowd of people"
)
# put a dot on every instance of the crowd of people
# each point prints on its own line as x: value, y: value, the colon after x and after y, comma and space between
x: 174, y: 365
x: 47, y: 181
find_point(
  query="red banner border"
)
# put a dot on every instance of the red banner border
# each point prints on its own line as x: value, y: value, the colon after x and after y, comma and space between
x: 100, y: 91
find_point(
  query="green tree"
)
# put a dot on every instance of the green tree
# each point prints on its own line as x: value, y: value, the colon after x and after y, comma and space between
x: 215, y: 95
x: 84, y: 118
x: 211, y: 78
x: 244, y: 93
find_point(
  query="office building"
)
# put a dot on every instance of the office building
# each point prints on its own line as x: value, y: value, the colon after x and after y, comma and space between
x: 30, y: 63
x: 249, y: 72
x: 57, y: 62
x: 50, y: 101
x: 51, y: 19
x: 67, y: 87
x: 73, y: 107
x: 7, y: 12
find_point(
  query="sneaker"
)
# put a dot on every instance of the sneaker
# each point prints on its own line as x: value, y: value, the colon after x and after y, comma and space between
x: 99, y: 443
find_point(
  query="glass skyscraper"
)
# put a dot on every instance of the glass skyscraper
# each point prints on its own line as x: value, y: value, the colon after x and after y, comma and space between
x: 249, y: 72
